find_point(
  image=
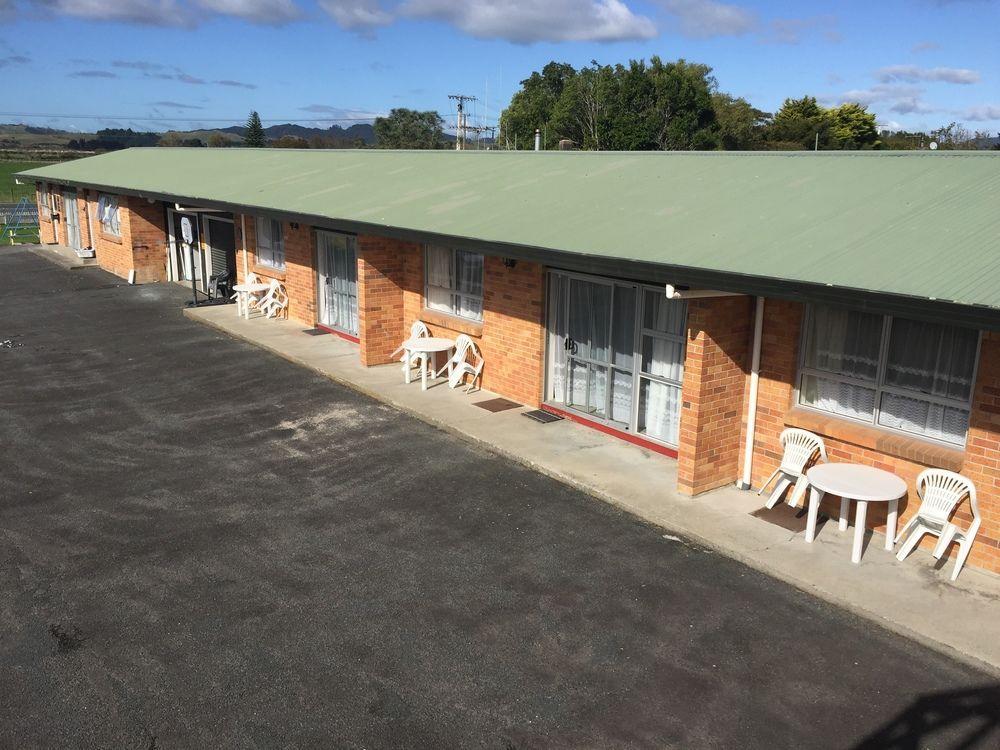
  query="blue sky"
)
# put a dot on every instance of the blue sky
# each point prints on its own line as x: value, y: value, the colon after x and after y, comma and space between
x: 917, y: 63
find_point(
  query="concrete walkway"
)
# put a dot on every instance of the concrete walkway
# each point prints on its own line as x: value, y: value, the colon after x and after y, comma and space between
x: 62, y: 256
x: 914, y: 598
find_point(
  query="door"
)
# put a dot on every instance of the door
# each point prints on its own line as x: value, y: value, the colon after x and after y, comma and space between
x: 220, y: 239
x: 616, y: 353
x: 338, y: 281
x: 72, y: 220
x: 182, y: 262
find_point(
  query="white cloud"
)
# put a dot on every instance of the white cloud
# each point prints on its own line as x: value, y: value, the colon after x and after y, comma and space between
x: 341, y: 114
x: 707, y: 18
x: 527, y: 21
x: 983, y: 113
x: 255, y: 11
x: 793, y: 30
x: 924, y: 47
x: 880, y: 92
x: 358, y: 15
x: 914, y: 73
x: 152, y: 12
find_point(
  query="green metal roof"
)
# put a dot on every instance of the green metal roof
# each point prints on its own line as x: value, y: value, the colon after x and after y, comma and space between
x: 919, y: 224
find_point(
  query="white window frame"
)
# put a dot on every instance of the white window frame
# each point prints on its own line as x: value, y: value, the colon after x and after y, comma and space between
x: 879, y: 386
x: 453, y: 291
x: 110, y: 224
x: 270, y: 253
x: 45, y: 201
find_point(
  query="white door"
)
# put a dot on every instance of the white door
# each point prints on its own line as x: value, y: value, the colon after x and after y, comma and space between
x: 616, y: 353
x: 338, y: 281
x: 72, y: 220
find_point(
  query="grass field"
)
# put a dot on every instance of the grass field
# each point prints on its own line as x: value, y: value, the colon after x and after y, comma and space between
x: 11, y: 193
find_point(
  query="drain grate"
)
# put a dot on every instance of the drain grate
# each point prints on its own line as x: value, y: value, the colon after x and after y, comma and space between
x: 494, y: 405
x: 315, y: 331
x: 544, y: 417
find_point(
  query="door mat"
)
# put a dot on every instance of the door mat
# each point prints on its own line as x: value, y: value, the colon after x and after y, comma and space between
x: 787, y: 517
x: 545, y: 417
x: 315, y: 331
x: 494, y: 405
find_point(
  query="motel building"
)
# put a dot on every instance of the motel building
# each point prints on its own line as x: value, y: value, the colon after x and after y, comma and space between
x: 694, y: 304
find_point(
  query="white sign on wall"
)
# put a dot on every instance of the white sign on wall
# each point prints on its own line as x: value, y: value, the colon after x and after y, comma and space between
x: 187, y: 232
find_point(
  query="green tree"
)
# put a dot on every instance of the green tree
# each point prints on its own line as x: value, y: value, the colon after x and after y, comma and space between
x: 797, y: 124
x: 532, y: 107
x: 683, y: 93
x: 290, y: 141
x: 218, y: 140
x: 254, y: 137
x: 408, y: 128
x: 852, y: 126
x: 739, y: 125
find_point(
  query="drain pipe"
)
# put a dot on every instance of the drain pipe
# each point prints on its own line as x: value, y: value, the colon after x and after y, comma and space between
x: 243, y: 236
x: 758, y: 330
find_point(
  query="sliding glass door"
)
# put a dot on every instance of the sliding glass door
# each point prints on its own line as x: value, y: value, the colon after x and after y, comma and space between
x: 338, y: 281
x: 611, y: 341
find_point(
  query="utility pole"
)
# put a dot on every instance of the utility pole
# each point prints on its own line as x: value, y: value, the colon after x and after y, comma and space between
x: 462, y: 125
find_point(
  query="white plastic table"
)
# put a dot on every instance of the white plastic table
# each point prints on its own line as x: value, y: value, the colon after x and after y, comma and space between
x: 244, y: 291
x: 427, y: 345
x: 863, y: 484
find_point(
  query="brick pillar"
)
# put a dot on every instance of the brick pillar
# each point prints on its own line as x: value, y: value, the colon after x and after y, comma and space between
x: 982, y: 456
x: 715, y: 371
x: 300, y: 272
x: 147, y: 233
x: 380, y: 296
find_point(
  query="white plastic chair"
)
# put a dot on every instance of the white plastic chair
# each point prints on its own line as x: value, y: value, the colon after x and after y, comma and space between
x: 940, y: 492
x: 460, y: 366
x: 250, y: 299
x: 275, y: 301
x: 418, y: 330
x: 801, y: 449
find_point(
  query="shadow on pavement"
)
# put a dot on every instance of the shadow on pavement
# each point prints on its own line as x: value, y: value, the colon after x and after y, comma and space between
x: 978, y: 709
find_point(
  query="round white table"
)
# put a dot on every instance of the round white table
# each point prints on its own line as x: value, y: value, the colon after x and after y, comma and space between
x: 863, y: 484
x: 428, y: 345
x: 244, y: 291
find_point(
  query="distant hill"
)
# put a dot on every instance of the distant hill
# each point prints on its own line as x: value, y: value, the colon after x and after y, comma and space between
x: 363, y: 131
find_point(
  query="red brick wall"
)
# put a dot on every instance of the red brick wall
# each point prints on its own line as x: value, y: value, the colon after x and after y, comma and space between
x: 147, y: 233
x: 511, y: 336
x: 848, y: 441
x: 381, y: 274
x: 715, y: 367
x: 46, y: 228
x: 299, y: 274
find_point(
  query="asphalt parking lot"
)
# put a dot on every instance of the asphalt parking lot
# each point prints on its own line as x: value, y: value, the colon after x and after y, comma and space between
x: 203, y: 545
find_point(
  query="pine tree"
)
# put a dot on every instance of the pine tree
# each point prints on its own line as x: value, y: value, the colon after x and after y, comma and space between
x: 254, y: 137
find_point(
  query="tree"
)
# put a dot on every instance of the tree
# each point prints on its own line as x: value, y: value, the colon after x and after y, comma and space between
x: 852, y: 126
x: 532, y: 107
x: 218, y: 140
x: 739, y: 125
x: 254, y: 137
x: 797, y: 124
x: 684, y: 104
x: 408, y: 128
x: 290, y: 141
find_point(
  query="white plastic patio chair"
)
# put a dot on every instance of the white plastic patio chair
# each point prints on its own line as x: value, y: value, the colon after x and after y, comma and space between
x: 460, y: 366
x: 250, y: 299
x: 802, y: 448
x: 940, y: 492
x: 275, y: 301
x: 418, y: 330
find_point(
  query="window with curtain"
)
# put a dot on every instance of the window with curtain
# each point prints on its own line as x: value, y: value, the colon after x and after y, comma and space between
x: 270, y: 243
x: 897, y: 373
x: 107, y: 214
x: 45, y: 202
x: 454, y: 281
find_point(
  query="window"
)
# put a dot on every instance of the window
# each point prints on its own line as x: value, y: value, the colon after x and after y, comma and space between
x: 454, y: 282
x: 107, y: 214
x: 893, y: 372
x: 45, y: 202
x: 270, y: 243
